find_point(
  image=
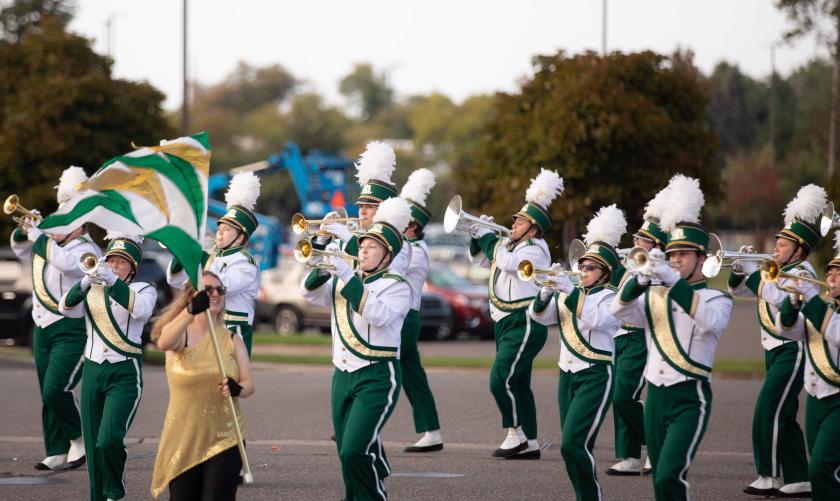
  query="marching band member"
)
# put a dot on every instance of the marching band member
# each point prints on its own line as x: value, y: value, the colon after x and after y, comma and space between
x: 630, y: 356
x: 518, y: 340
x: 368, y: 312
x: 818, y: 328
x: 198, y: 456
x: 684, y: 320
x: 415, y: 383
x: 778, y: 443
x: 586, y: 349
x: 229, y: 260
x: 115, y: 308
x: 374, y: 169
x: 58, y: 340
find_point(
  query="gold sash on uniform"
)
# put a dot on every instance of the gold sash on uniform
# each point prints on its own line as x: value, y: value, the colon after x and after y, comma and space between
x: 665, y: 339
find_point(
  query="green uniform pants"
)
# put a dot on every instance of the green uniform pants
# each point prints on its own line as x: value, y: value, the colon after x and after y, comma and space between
x: 778, y: 442
x: 362, y: 401
x: 110, y: 396
x: 518, y: 341
x: 414, y: 382
x: 247, y: 334
x: 628, y: 411
x: 822, y: 426
x: 58, y: 351
x: 675, y: 421
x: 584, y: 398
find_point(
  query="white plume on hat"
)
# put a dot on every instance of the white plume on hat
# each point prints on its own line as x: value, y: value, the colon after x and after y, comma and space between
x: 808, y: 204
x: 544, y: 188
x: 114, y: 235
x: 394, y: 211
x: 655, y: 208
x: 837, y: 243
x: 70, y: 179
x: 607, y: 226
x: 684, y: 201
x: 243, y: 190
x: 378, y: 161
x: 418, y: 186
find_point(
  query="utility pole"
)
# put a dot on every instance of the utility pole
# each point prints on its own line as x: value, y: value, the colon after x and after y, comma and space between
x: 604, y: 28
x: 185, y: 102
x: 109, y: 35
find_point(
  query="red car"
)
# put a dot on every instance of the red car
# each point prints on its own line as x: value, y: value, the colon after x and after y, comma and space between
x: 469, y: 302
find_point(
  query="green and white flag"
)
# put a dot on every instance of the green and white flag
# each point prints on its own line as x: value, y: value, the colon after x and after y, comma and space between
x: 159, y: 192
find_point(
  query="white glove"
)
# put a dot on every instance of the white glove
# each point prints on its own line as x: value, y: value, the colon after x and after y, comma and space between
x: 85, y: 284
x: 556, y: 267
x: 643, y: 279
x: 745, y: 267
x: 657, y: 255
x: 668, y: 275
x: 105, y: 272
x: 563, y: 284
x: 746, y: 249
x: 808, y: 290
x: 477, y: 230
x: 33, y: 233
x: 545, y: 293
x: 343, y: 271
x: 340, y: 231
x: 794, y: 299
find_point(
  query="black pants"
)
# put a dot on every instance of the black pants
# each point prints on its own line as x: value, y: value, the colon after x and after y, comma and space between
x: 213, y: 480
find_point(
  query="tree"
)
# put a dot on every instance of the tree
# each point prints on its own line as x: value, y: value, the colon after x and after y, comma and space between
x: 615, y: 127
x: 820, y: 17
x: 753, y: 199
x: 59, y: 106
x: 370, y: 91
x: 23, y: 16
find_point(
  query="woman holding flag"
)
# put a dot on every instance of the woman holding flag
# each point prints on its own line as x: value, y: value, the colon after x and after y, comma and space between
x: 115, y: 309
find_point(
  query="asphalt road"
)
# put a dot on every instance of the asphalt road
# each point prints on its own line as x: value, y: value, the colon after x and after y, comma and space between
x: 293, y: 458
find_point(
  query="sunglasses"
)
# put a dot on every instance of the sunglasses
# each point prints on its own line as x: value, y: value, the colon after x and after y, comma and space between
x: 588, y: 267
x: 220, y: 290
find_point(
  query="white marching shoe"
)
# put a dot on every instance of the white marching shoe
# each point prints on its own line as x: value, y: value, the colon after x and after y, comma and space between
x: 431, y: 441
x: 57, y: 462
x: 531, y: 451
x: 626, y: 467
x: 76, y: 454
x: 648, y: 469
x: 514, y: 442
x: 763, y: 486
x: 795, y: 490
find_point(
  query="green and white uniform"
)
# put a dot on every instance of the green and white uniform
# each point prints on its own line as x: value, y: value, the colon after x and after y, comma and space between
x: 683, y: 325
x: 818, y: 328
x: 778, y: 442
x: 518, y: 338
x: 58, y: 340
x: 113, y: 381
x: 240, y: 275
x: 368, y: 314
x: 415, y: 382
x: 585, y: 386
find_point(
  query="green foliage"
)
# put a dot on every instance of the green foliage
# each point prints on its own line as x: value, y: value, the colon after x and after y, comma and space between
x: 25, y: 16
x: 370, y: 91
x: 754, y: 200
x: 59, y: 106
x: 616, y: 128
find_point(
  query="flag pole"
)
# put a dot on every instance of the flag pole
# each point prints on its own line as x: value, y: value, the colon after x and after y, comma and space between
x: 246, y: 467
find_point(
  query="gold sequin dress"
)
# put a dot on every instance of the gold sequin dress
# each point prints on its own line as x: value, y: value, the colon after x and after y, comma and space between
x: 198, y: 423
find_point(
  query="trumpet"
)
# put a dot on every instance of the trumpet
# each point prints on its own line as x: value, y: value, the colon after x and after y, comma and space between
x: 12, y: 206
x: 304, y: 252
x: 527, y: 272
x: 639, y: 260
x: 457, y: 219
x: 301, y: 225
x: 717, y: 258
x: 829, y: 219
x: 89, y: 263
x: 772, y: 272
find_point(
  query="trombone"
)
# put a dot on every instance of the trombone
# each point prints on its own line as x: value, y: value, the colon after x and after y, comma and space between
x: 301, y: 225
x: 717, y: 258
x: 304, y: 252
x: 457, y: 219
x: 12, y: 206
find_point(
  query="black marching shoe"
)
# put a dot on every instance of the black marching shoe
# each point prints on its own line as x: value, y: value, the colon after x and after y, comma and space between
x: 505, y: 453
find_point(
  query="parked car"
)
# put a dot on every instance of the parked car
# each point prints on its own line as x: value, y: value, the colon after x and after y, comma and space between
x: 469, y: 302
x: 15, y: 299
x: 280, y: 305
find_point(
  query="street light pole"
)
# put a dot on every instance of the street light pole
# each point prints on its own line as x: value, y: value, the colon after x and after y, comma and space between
x: 604, y: 28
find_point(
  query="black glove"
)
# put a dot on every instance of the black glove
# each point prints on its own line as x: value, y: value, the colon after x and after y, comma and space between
x: 199, y: 303
x: 234, y: 387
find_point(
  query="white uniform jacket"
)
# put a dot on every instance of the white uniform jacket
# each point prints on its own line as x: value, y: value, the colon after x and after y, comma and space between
x: 698, y: 314
x: 367, y: 316
x: 55, y: 269
x: 417, y: 271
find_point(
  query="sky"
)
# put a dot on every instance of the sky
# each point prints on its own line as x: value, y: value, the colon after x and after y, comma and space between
x: 457, y: 47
